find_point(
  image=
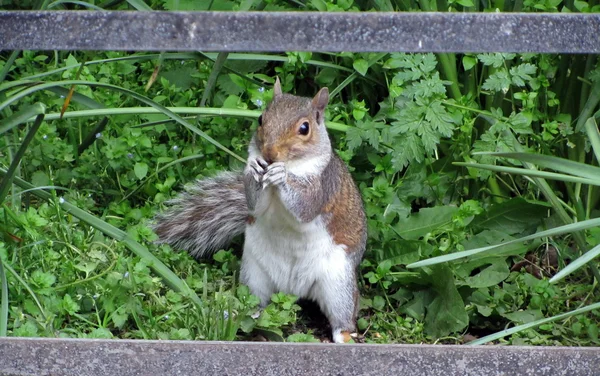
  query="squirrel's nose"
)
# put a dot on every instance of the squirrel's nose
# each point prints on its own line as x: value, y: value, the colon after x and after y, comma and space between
x: 271, y: 154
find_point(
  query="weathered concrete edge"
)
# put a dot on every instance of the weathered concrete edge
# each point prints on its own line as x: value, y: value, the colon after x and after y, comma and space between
x: 300, y: 31
x: 45, y: 356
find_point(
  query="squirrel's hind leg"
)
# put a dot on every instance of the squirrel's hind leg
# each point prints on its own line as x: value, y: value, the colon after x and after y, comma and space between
x: 259, y: 283
x: 339, y: 302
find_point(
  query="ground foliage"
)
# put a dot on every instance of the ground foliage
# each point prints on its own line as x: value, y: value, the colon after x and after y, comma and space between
x: 399, y: 120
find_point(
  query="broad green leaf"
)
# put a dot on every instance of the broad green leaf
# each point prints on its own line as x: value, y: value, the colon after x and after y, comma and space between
x: 469, y: 62
x: 403, y: 252
x: 181, y: 77
x: 512, y: 217
x: 361, y: 66
x: 417, y: 306
x: 301, y: 337
x: 499, y: 81
x: 141, y: 170
x: 425, y: 221
x: 493, y: 237
x: 492, y: 275
x: 40, y: 179
x: 524, y: 317
x: 446, y: 314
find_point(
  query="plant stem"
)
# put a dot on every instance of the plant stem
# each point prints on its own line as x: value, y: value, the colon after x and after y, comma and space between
x: 3, y: 301
x: 448, y: 63
x: 11, y: 59
x: 10, y: 173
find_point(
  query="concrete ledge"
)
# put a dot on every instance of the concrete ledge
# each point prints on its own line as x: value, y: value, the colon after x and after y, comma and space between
x: 300, y: 31
x: 37, y: 356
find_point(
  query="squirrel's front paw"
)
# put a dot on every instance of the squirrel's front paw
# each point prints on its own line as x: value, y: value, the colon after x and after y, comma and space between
x: 257, y: 168
x: 275, y: 175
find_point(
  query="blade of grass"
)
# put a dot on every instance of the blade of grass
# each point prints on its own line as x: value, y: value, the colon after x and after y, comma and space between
x: 591, y: 128
x: 133, y: 94
x: 9, y: 62
x: 278, y: 58
x: 150, y: 124
x: 220, y: 62
x: 355, y: 75
x: 589, y: 107
x: 44, y: 187
x: 28, y: 288
x: 146, y: 57
x: 10, y: 88
x: 170, y: 278
x: 77, y: 97
x: 519, y: 328
x: 154, y: 75
x: 10, y: 173
x: 578, y: 263
x: 579, y: 226
x: 3, y: 301
x: 558, y: 164
x: 209, y: 111
x: 148, y: 178
x: 237, y: 73
x: 71, y: 91
x: 191, y: 56
x: 26, y: 114
x: 531, y: 173
x: 551, y: 196
x: 448, y: 63
x: 139, y: 5
x: 212, y: 78
x: 91, y: 136
x: 75, y: 2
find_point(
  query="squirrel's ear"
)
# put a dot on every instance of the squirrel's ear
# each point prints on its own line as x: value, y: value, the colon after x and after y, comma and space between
x: 277, y: 89
x: 320, y: 100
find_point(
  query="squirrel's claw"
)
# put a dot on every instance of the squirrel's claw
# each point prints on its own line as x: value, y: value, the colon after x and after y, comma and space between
x: 275, y: 175
x: 261, y: 161
x: 256, y: 169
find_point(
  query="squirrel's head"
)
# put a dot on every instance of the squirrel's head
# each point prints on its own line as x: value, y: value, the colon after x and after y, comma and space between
x: 292, y: 128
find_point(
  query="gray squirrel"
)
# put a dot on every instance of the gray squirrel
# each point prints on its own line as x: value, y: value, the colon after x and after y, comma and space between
x: 296, y: 203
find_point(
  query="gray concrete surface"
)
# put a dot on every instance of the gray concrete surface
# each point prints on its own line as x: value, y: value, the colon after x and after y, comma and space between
x: 36, y: 356
x: 300, y: 31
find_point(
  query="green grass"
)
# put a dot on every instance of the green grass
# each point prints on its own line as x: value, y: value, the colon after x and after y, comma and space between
x: 479, y: 174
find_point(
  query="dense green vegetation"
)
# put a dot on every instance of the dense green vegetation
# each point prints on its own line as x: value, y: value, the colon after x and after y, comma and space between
x: 78, y: 257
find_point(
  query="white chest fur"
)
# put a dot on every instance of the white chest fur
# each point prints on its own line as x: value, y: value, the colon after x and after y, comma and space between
x: 281, y: 254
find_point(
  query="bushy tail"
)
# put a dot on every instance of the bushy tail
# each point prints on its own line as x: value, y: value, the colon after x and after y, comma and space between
x: 206, y: 217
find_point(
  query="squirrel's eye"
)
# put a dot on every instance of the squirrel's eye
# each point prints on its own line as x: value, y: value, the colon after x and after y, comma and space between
x: 260, y: 120
x: 304, y: 128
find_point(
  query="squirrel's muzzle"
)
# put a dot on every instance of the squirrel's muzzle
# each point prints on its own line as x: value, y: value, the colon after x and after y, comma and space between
x: 271, y: 154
